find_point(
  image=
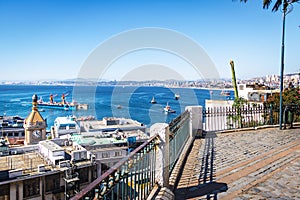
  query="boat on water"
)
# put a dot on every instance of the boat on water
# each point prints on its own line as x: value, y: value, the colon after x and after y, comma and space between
x: 168, y: 109
x: 176, y: 96
x: 57, y: 106
x: 153, y: 101
x: 119, y: 106
x: 63, y: 105
x: 225, y: 93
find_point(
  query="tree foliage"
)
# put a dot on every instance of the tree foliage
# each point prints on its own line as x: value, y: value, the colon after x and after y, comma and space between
x: 277, y: 4
x: 290, y: 96
x: 239, y: 102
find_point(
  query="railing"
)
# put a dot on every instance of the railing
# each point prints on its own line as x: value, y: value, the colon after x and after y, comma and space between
x: 230, y: 117
x: 133, y: 177
x: 179, y: 134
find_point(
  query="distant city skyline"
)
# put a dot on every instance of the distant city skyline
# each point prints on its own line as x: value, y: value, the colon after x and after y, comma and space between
x: 42, y: 40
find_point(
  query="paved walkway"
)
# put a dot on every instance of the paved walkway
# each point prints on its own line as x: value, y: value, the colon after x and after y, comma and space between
x: 260, y: 164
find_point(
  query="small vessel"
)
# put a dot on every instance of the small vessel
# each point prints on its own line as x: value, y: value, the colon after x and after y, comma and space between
x: 225, y: 93
x: 119, y: 106
x: 153, y: 101
x: 176, y: 96
x: 168, y: 109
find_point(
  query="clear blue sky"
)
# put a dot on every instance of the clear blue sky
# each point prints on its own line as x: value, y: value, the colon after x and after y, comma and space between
x: 42, y: 39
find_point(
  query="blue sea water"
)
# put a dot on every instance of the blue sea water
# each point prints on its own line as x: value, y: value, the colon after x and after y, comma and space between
x: 105, y: 101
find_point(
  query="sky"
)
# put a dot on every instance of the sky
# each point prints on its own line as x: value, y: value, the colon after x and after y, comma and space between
x: 52, y: 40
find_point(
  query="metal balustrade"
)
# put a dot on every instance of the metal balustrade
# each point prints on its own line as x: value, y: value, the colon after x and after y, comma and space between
x: 179, y: 134
x: 158, y: 160
x: 151, y: 163
x: 133, y: 177
x: 230, y: 117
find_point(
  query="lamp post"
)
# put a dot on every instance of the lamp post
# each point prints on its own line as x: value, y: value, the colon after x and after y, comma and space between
x: 285, y: 12
x: 285, y: 4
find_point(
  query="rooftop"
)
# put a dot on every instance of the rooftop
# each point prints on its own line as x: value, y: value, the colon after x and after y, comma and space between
x: 111, y: 123
x: 51, y: 145
x: 27, y: 159
x: 100, y: 138
x: 11, y: 122
x: 65, y: 120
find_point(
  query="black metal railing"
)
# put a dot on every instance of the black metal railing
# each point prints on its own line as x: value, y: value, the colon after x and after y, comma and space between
x: 179, y: 129
x: 133, y: 177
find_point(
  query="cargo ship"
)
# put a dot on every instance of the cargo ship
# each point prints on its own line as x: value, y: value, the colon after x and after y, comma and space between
x: 63, y: 105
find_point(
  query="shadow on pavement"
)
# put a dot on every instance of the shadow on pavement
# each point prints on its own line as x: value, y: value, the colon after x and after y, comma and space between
x: 207, y: 186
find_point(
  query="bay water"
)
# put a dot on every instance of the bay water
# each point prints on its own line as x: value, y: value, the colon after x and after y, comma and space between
x: 106, y: 101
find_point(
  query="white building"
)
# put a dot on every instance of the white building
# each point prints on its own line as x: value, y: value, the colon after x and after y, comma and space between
x: 64, y: 126
x: 111, y: 124
x: 53, y: 152
x: 251, y: 94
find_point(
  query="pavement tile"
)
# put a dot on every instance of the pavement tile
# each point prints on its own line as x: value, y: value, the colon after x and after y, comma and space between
x: 218, y: 152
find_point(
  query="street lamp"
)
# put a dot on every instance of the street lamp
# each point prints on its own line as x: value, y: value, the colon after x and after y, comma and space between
x: 285, y: 12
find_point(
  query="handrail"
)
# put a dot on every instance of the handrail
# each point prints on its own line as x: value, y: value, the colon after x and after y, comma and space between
x: 112, y: 170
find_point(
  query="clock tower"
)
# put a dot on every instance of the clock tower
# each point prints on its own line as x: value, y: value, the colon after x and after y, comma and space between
x: 34, y: 125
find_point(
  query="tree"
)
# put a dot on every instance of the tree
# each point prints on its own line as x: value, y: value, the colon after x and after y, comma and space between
x: 291, y: 102
x: 235, y: 118
x: 278, y: 3
x: 291, y: 96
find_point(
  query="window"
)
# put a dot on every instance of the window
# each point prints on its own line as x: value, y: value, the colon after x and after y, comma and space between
x: 72, y: 126
x: 118, y: 153
x: 105, y: 155
x: 52, y: 182
x: 31, y: 187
